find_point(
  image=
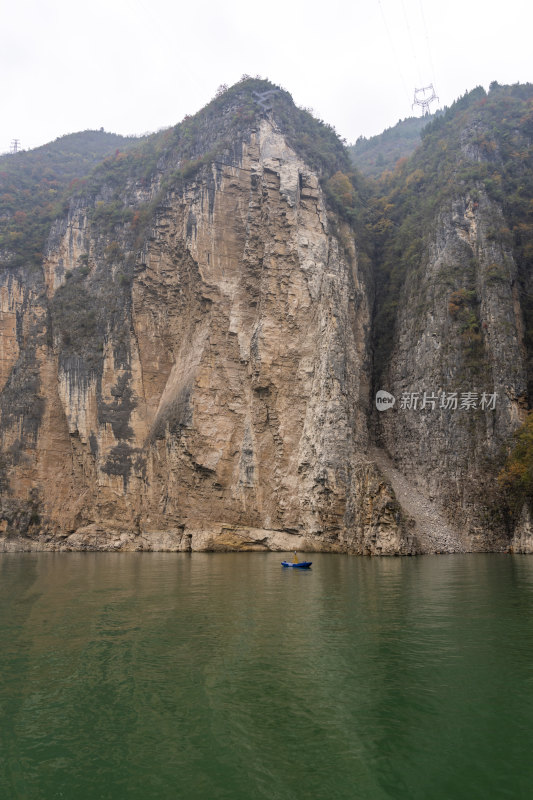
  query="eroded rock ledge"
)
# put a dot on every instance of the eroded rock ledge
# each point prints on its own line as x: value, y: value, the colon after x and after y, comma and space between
x: 217, y: 538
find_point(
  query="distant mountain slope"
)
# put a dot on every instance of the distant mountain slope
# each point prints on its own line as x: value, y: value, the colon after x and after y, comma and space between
x: 379, y: 153
x: 34, y: 185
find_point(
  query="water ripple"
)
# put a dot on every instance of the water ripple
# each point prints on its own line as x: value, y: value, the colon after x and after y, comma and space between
x: 225, y: 676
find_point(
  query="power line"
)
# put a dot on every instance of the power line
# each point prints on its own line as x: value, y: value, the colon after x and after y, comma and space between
x: 425, y: 95
x: 393, y: 50
x: 417, y: 66
x: 432, y: 69
x: 15, y: 145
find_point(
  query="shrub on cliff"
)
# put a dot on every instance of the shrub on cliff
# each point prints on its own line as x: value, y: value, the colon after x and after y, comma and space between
x: 517, y: 475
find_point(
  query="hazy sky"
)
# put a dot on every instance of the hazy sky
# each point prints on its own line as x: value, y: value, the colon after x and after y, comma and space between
x: 133, y: 66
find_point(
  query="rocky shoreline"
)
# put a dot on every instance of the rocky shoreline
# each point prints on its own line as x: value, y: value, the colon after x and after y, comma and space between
x: 221, y: 538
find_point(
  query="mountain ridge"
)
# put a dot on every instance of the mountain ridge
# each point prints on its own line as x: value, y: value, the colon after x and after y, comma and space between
x: 380, y: 153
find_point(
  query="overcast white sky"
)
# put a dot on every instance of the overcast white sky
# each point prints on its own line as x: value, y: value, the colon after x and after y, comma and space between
x: 133, y: 66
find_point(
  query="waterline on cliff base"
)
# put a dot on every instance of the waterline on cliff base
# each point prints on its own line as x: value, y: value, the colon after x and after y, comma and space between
x: 225, y: 676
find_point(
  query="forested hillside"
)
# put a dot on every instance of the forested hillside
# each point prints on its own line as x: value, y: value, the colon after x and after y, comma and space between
x: 36, y: 184
x: 375, y: 155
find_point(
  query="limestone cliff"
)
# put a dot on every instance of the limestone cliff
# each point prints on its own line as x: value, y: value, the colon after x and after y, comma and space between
x: 192, y: 361
x: 196, y: 368
x: 451, y: 331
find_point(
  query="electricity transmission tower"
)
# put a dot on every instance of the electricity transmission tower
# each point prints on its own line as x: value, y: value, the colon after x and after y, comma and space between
x: 424, y: 97
x: 15, y: 145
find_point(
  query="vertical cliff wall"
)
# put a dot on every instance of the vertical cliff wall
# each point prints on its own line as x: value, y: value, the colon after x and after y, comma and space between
x: 192, y: 361
x: 451, y: 334
x: 202, y: 365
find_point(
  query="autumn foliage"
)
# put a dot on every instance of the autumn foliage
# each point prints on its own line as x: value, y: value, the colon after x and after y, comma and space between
x: 517, y: 475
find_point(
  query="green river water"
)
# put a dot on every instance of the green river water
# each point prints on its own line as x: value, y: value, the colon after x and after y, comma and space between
x: 225, y: 676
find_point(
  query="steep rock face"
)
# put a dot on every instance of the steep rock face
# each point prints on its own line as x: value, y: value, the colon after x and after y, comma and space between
x: 191, y: 364
x: 458, y: 361
x: 449, y: 446
x: 210, y: 389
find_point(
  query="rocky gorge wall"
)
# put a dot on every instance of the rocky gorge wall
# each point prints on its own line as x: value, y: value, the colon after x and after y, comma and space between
x: 457, y: 370
x: 193, y: 365
x: 458, y: 363
x: 208, y: 389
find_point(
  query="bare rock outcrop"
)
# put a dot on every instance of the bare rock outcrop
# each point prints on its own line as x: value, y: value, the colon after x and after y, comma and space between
x: 208, y: 388
x: 192, y: 363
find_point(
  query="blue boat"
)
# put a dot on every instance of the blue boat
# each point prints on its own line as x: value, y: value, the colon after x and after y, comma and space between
x: 297, y: 564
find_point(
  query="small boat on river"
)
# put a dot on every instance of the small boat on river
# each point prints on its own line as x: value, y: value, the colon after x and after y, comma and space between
x: 297, y: 564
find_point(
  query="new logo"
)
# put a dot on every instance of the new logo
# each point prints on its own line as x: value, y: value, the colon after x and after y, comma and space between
x: 384, y: 400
